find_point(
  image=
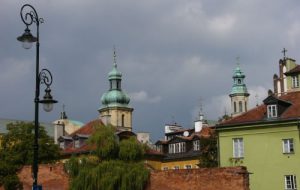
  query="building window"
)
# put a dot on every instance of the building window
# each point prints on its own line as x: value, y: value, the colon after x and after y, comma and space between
x: 165, y: 168
x: 272, y: 111
x: 234, y: 106
x: 177, y: 147
x: 290, y: 182
x: 295, y: 81
x: 77, y: 143
x: 245, y: 106
x: 159, y: 148
x: 238, y: 148
x: 176, y: 167
x: 188, y: 166
x: 288, y: 145
x: 240, y: 106
x: 62, y: 145
x: 196, y: 144
x: 123, y: 117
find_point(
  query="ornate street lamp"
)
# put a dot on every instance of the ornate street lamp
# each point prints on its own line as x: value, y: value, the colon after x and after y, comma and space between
x: 30, y: 16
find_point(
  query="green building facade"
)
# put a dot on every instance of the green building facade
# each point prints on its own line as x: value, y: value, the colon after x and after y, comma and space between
x: 265, y: 140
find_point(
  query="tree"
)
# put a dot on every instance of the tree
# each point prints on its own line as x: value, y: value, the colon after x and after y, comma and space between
x: 118, y: 165
x: 209, y: 151
x: 17, y: 150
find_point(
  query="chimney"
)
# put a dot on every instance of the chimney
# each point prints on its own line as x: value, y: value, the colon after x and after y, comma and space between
x: 199, y: 123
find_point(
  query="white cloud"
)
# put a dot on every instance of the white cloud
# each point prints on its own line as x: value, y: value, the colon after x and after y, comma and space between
x: 294, y: 34
x: 222, y: 24
x: 13, y: 69
x: 143, y: 96
x: 257, y: 95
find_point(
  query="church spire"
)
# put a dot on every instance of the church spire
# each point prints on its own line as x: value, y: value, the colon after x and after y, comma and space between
x: 239, y: 93
x: 115, y: 102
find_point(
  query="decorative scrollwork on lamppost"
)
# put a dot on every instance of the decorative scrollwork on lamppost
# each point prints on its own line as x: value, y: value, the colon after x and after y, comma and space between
x: 30, y: 16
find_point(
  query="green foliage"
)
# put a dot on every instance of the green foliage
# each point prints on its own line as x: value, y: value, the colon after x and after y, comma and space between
x: 130, y: 149
x: 17, y: 150
x: 105, y: 141
x: 209, y: 151
x: 11, y: 182
x: 118, y: 167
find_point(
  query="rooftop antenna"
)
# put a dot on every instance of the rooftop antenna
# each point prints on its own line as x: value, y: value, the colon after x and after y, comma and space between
x: 63, y: 114
x: 201, y: 109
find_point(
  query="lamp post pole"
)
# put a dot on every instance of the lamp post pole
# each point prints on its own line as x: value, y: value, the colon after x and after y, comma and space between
x: 30, y: 16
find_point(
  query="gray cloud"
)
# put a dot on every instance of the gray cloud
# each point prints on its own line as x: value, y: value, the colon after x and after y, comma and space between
x: 171, y: 53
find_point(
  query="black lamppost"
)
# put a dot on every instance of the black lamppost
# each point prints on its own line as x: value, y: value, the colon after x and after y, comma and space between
x: 30, y: 16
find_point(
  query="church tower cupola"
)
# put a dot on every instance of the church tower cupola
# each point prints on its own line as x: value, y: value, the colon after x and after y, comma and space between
x: 239, y: 94
x: 115, y: 108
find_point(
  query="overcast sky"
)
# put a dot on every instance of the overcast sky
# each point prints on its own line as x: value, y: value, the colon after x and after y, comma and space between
x: 174, y: 55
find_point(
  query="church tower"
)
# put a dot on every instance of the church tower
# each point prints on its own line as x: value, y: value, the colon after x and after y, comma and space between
x: 239, y: 94
x: 115, y: 109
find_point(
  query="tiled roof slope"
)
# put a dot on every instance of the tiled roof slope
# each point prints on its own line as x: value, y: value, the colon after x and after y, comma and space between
x: 88, y: 128
x: 294, y: 70
x: 258, y: 114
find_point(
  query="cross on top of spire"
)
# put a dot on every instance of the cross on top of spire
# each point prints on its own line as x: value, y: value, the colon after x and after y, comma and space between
x: 284, y: 51
x: 115, y: 57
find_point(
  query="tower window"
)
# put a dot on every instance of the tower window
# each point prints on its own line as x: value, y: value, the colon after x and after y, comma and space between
x: 245, y: 106
x: 239, y: 81
x: 123, y: 123
x: 240, y: 106
x: 234, y: 106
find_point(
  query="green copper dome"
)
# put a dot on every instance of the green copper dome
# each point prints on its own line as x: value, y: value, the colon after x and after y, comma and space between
x: 239, y: 87
x: 115, y: 96
x: 114, y: 73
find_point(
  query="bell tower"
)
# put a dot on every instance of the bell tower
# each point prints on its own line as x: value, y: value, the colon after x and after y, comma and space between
x: 115, y: 109
x: 239, y: 94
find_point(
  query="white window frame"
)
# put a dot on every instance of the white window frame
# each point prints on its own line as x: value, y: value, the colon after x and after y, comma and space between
x: 177, y: 147
x: 290, y: 182
x: 62, y: 144
x: 196, y: 144
x: 188, y: 166
x: 176, y: 167
x: 288, y: 146
x: 77, y: 143
x: 295, y: 81
x: 165, y: 168
x: 272, y: 111
x: 238, y: 147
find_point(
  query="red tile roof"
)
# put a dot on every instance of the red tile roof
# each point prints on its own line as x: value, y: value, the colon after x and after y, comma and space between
x: 88, y: 128
x: 294, y: 70
x: 258, y: 113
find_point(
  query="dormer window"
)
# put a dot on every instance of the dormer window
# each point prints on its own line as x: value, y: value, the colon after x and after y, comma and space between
x: 76, y: 143
x: 196, y: 144
x: 62, y: 144
x: 272, y: 111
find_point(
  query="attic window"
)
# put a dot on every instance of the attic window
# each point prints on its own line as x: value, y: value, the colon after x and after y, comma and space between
x: 272, y: 111
x: 77, y: 143
x: 62, y: 144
